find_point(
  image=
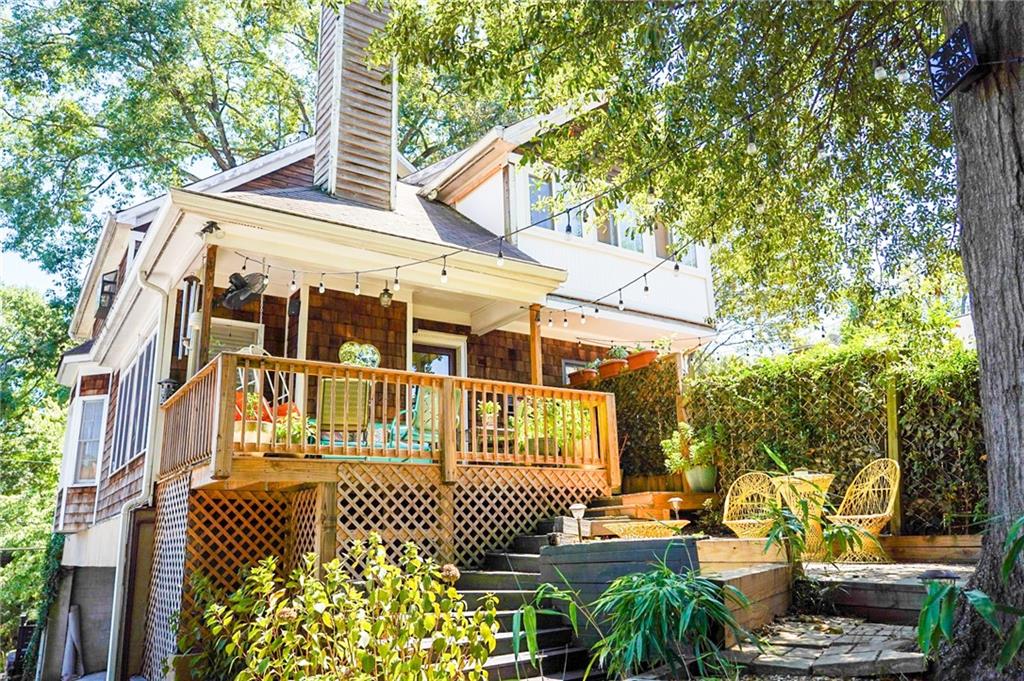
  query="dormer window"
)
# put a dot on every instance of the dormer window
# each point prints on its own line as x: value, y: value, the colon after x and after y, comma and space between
x: 108, y: 289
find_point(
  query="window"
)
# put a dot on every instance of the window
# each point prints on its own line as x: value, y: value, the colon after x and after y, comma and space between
x: 431, y: 359
x: 540, y: 203
x: 569, y: 366
x: 665, y: 247
x: 228, y: 335
x: 623, y: 229
x: 108, y: 289
x: 131, y: 422
x: 91, y: 414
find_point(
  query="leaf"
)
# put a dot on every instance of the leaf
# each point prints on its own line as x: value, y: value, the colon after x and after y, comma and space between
x: 984, y: 606
x: 530, y: 624
x: 1012, y: 645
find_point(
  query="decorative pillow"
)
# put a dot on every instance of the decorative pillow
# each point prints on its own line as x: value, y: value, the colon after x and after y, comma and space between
x: 360, y: 355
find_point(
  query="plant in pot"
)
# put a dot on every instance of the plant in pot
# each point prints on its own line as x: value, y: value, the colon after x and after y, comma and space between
x: 585, y: 374
x: 548, y: 425
x: 693, y: 455
x: 640, y: 357
x: 256, y: 419
x: 614, y: 362
x: 488, y: 411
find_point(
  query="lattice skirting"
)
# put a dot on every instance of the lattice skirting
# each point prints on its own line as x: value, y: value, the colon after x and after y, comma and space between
x: 483, y: 510
x: 168, y: 573
x: 304, y: 526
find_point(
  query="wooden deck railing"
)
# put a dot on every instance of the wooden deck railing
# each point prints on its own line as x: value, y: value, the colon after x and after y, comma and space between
x: 250, y: 405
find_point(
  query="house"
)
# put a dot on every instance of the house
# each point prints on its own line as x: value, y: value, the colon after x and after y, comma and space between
x: 211, y: 422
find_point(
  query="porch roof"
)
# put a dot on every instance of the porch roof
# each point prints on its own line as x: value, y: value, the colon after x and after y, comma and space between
x: 414, y: 217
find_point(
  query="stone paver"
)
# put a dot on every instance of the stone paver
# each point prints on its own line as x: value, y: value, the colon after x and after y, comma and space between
x: 834, y: 647
x: 891, y: 573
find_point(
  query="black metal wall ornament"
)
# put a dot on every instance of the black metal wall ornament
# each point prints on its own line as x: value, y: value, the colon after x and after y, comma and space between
x: 955, y: 65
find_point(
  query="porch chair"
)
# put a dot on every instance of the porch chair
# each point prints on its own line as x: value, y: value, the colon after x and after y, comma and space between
x: 343, y: 408
x: 746, y: 510
x: 868, y: 505
x: 422, y: 427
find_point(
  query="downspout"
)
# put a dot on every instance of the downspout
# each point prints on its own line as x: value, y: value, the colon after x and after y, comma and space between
x: 145, y: 497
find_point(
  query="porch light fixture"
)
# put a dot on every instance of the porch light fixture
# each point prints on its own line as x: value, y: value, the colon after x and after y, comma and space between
x: 501, y: 258
x: 357, y: 290
x: 385, y: 297
x: 444, y: 269
x: 398, y: 287
x: 578, y: 511
x: 211, y: 228
x: 536, y: 320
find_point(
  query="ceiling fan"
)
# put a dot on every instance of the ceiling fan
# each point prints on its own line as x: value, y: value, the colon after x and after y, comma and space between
x: 242, y: 287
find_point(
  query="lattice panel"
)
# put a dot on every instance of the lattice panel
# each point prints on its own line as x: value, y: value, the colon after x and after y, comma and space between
x: 303, y: 526
x: 494, y: 504
x: 229, y: 531
x: 402, y: 503
x: 165, y: 594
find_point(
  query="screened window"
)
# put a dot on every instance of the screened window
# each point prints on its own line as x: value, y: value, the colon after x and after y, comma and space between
x: 90, y: 438
x: 131, y: 421
x: 624, y: 230
x: 540, y: 203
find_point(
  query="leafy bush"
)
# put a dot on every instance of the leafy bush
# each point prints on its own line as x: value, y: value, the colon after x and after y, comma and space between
x: 700, y: 450
x: 404, y: 622
x: 563, y: 421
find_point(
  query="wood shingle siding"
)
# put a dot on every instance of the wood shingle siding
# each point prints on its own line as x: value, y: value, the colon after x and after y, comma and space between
x: 298, y: 174
x: 79, y: 504
x: 336, y: 317
x: 114, y: 490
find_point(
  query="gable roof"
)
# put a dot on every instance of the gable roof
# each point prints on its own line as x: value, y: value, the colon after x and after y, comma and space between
x: 414, y: 217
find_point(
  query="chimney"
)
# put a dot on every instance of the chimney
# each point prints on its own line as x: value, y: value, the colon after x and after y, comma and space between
x: 355, y: 110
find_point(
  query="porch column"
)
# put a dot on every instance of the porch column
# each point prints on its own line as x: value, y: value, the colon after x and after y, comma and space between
x: 536, y: 361
x: 209, y: 268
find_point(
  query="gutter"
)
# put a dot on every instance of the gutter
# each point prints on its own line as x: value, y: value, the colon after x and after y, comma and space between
x: 145, y: 497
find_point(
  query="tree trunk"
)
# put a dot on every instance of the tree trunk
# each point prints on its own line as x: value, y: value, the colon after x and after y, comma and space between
x: 988, y: 124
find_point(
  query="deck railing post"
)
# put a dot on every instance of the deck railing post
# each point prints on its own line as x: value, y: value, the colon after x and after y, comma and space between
x: 610, y: 444
x: 892, y: 446
x: 224, y: 417
x: 449, y: 433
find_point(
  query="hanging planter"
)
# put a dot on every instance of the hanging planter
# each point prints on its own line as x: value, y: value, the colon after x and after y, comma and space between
x: 641, y: 357
x: 612, y: 367
x: 582, y: 376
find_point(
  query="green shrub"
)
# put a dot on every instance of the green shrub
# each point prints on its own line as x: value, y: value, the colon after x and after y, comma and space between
x: 404, y: 622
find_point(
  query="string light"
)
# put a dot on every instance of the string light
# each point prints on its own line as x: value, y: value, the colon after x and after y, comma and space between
x: 760, y: 208
x: 597, y: 310
x: 568, y: 228
x: 536, y: 320
x: 565, y: 321
x: 583, y: 318
x: 293, y: 286
x: 622, y: 305
x: 322, y: 288
x: 356, y: 290
x: 444, y: 270
x: 245, y: 263
x: 823, y: 152
x: 397, y: 286
x: 904, y: 76
x: 549, y: 320
x: 675, y: 269
x: 880, y: 72
x: 647, y: 289
x: 500, y: 262
x: 751, y: 144
x: 266, y: 276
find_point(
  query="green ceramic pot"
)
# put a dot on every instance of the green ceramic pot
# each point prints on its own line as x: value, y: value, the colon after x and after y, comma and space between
x: 702, y: 478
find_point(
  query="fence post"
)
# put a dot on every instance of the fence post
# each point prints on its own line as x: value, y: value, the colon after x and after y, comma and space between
x: 448, y: 431
x: 224, y: 417
x: 609, y: 428
x: 327, y: 522
x: 892, y: 447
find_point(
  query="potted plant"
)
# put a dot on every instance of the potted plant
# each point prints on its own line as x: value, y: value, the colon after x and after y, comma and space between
x: 548, y: 425
x: 693, y: 456
x: 488, y: 411
x: 641, y: 357
x: 256, y: 419
x: 585, y: 374
x: 614, y: 362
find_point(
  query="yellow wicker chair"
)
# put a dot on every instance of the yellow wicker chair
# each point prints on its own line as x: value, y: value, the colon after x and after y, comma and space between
x: 747, y: 502
x: 868, y: 505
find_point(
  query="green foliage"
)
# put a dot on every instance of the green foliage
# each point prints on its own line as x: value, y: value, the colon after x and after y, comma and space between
x: 661, y: 617
x: 617, y: 352
x: 645, y: 410
x: 50, y: 576
x: 405, y: 621
x: 824, y: 409
x: 938, y: 612
x: 683, y: 450
x: 563, y: 421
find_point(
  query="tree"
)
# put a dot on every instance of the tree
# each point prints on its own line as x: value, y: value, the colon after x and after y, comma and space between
x: 32, y: 338
x: 802, y: 142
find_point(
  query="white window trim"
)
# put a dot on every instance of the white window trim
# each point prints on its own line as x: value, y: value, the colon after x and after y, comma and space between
x: 75, y: 431
x: 444, y: 340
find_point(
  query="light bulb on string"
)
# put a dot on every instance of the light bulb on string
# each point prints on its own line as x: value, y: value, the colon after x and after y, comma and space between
x: 583, y: 318
x: 880, y: 72
x: 751, y: 144
x: 357, y: 290
x: 904, y: 76
x: 397, y: 287
x: 597, y: 310
x: 293, y: 286
x: 444, y: 270
x: 565, y: 321
x: 245, y: 263
x: 823, y: 152
x: 501, y: 257
x: 760, y: 207
x: 675, y: 269
x: 622, y: 304
x: 647, y: 289
x: 321, y: 287
x: 568, y: 229
x: 266, y: 276
x: 536, y: 320
x: 550, y: 323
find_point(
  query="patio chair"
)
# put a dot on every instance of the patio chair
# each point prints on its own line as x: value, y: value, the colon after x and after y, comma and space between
x: 747, y: 503
x: 343, y: 408
x: 422, y: 431
x: 868, y: 505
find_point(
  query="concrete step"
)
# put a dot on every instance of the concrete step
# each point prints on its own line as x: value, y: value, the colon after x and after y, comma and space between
x: 547, y: 638
x: 550, y: 664
x: 529, y: 543
x: 508, y: 599
x: 635, y: 499
x: 518, y: 562
x: 497, y: 580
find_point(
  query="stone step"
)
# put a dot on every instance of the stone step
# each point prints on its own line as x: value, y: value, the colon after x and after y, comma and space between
x: 518, y: 562
x: 548, y: 638
x: 497, y: 580
x: 636, y: 499
x: 508, y: 599
x: 529, y: 543
x: 550, y: 663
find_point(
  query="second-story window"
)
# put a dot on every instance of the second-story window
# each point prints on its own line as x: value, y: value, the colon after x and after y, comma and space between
x: 621, y: 230
x: 540, y: 202
x: 91, y: 414
x: 666, y: 245
x: 108, y: 289
x: 131, y: 422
